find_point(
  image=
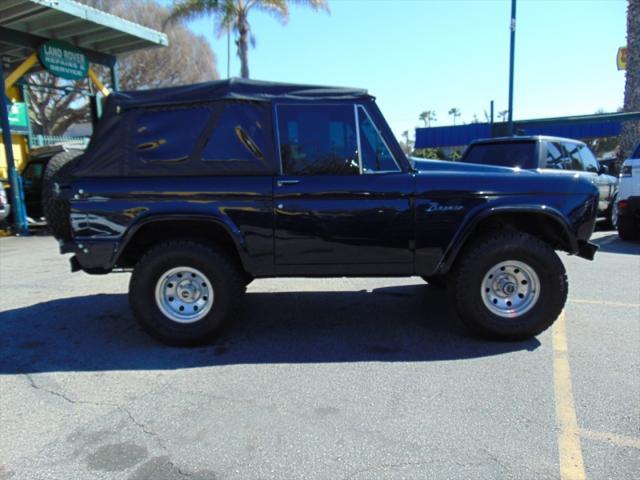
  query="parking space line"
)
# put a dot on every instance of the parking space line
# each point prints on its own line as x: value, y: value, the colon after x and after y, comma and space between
x: 604, y: 302
x: 612, y: 438
x: 571, y: 463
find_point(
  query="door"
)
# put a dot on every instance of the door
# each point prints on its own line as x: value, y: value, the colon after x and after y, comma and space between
x: 342, y: 203
x: 606, y: 183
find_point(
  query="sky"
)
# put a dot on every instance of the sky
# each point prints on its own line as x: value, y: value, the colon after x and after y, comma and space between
x: 417, y: 55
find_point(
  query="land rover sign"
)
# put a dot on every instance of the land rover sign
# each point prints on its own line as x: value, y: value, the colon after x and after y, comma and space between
x: 63, y: 60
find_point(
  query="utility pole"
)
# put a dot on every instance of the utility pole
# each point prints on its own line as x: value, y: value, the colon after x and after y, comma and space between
x: 511, y: 60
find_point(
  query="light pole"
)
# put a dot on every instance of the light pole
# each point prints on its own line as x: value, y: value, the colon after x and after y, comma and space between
x: 511, y: 58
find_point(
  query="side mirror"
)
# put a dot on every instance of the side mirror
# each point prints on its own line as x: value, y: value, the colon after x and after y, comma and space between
x: 603, y: 169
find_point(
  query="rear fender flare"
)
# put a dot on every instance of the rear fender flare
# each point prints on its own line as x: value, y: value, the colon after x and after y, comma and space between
x: 231, y: 230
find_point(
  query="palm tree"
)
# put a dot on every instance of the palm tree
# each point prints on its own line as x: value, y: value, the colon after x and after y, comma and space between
x: 631, y: 130
x: 503, y: 114
x: 233, y: 15
x: 427, y: 117
x: 455, y: 113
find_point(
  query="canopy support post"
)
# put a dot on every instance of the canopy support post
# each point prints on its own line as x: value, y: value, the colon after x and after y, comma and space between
x: 17, y: 198
x: 20, y: 70
x: 99, y: 85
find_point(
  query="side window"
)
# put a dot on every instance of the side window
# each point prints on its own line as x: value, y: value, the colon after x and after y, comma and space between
x: 554, y: 157
x: 318, y: 140
x: 168, y: 135
x: 572, y: 159
x: 376, y: 156
x: 238, y: 135
x: 588, y: 159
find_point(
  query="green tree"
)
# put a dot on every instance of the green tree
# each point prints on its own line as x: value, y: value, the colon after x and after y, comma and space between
x: 233, y: 15
x: 455, y: 113
x: 428, y: 117
x: 55, y: 104
x: 631, y: 130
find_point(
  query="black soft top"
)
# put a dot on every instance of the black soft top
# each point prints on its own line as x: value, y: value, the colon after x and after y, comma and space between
x: 164, y: 131
x: 233, y: 89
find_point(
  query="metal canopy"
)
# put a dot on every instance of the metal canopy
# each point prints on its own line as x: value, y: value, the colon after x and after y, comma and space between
x: 24, y: 24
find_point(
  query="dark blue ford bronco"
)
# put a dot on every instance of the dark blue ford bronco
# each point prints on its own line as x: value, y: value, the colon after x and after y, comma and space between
x: 198, y: 190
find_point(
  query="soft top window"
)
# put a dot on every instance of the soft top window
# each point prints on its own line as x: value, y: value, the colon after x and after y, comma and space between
x: 168, y: 135
x: 318, y: 140
x: 238, y: 135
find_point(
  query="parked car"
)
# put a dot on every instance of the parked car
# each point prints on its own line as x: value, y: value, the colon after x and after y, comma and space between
x: 542, y: 152
x: 5, y: 207
x: 199, y: 189
x: 628, y: 198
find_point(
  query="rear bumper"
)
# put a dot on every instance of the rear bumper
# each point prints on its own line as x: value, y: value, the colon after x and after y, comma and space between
x: 629, y: 208
x: 93, y: 257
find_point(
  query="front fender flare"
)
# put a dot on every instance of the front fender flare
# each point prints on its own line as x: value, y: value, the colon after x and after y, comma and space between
x: 468, y: 228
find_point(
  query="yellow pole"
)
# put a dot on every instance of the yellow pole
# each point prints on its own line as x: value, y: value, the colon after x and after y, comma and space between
x: 23, y: 68
x: 99, y: 85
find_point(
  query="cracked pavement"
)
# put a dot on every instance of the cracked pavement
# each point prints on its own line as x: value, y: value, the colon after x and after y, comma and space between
x: 315, y: 379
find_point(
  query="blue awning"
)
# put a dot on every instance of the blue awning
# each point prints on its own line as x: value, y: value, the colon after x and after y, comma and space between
x: 583, y: 127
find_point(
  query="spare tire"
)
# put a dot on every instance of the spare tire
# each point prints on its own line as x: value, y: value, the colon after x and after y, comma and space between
x: 56, y: 209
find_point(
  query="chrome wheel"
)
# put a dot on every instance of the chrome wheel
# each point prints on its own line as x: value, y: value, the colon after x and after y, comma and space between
x: 184, y: 294
x: 510, y: 289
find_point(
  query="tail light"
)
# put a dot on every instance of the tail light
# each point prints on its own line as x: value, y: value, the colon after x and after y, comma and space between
x: 623, y: 205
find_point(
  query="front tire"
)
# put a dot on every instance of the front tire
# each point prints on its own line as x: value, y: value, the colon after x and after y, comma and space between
x: 508, y: 286
x: 182, y: 292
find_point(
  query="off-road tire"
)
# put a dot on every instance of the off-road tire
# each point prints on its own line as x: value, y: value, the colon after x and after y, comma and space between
x: 436, y: 281
x: 56, y: 210
x: 465, y: 284
x: 627, y: 230
x: 225, y: 276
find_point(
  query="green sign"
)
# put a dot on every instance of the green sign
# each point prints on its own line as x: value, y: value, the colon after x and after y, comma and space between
x: 63, y: 60
x: 18, y: 115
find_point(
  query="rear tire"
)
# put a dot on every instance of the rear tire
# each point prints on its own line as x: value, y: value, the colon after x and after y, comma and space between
x: 182, y: 292
x: 627, y: 230
x: 508, y: 286
x: 57, y: 210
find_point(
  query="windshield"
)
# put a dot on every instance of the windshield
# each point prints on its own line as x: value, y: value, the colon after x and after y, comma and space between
x: 505, y: 154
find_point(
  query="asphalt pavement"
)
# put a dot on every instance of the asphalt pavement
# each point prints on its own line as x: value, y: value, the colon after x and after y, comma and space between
x: 315, y: 379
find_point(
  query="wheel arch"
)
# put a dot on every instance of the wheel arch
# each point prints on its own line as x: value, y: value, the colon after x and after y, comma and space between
x: 151, y: 231
x: 543, y: 222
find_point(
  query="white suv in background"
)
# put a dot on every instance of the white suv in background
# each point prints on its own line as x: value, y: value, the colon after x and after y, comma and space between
x: 628, y: 201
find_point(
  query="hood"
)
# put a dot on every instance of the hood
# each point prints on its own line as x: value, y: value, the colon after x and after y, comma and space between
x: 426, y: 165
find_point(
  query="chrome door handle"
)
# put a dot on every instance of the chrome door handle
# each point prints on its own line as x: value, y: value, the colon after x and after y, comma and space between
x: 282, y: 183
